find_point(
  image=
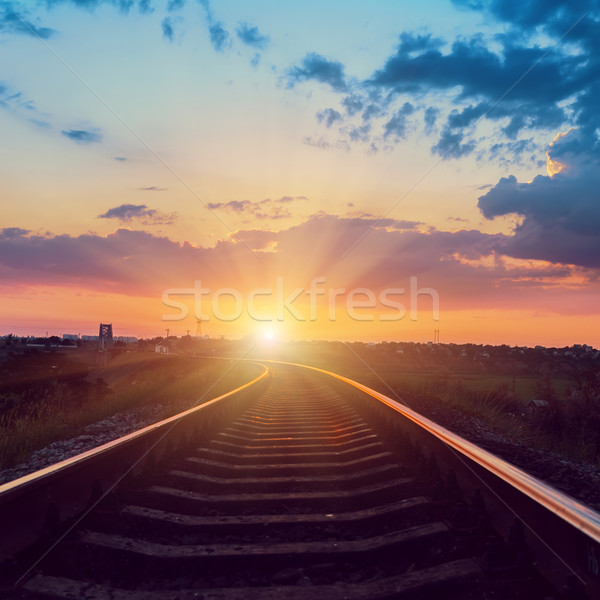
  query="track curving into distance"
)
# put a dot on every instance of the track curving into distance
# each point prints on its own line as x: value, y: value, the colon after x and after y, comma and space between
x: 297, y: 497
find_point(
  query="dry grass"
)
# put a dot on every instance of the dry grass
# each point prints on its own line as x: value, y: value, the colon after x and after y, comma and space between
x: 59, y: 410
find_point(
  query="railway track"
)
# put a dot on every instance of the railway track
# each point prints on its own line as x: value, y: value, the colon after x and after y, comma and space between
x: 299, y: 487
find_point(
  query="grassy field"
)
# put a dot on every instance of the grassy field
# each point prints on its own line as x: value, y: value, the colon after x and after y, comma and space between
x: 569, y: 424
x: 51, y: 397
x: 496, y: 392
x: 431, y: 382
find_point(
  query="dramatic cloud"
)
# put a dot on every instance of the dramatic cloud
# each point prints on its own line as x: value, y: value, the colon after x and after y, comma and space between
x: 528, y: 14
x: 82, y: 136
x: 147, y: 216
x: 251, y: 36
x: 13, y: 19
x: 316, y: 67
x: 561, y: 216
x: 495, y: 79
x: 523, y: 83
x: 465, y: 267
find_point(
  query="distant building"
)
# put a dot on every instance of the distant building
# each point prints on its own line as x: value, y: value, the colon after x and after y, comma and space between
x: 536, y: 404
x: 126, y: 339
x: 70, y: 336
x: 89, y: 338
x: 161, y: 349
x: 105, y: 336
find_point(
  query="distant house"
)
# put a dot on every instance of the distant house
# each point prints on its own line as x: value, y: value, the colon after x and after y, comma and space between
x: 536, y: 404
x: 161, y: 349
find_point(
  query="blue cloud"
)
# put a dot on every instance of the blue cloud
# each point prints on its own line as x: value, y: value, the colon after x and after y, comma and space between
x: 430, y: 116
x: 250, y: 36
x: 397, y: 125
x: 528, y: 14
x: 480, y: 72
x: 15, y: 103
x: 40, y: 123
x: 219, y: 37
x: 531, y: 87
x: 452, y: 144
x: 14, y: 20
x: 175, y: 5
x: 82, y: 136
x: 316, y: 67
x: 353, y: 104
x: 167, y: 28
x: 144, y: 6
x: 410, y: 42
x: 329, y: 115
x: 522, y: 84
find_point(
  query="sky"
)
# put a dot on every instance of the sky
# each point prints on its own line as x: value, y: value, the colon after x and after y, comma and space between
x: 308, y: 170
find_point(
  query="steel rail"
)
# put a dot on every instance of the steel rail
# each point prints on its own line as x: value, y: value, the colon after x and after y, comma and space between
x: 562, y: 519
x: 7, y: 489
x: 24, y: 502
x: 575, y: 514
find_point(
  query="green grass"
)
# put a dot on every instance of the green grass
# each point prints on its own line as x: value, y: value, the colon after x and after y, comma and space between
x: 569, y: 426
x: 140, y: 380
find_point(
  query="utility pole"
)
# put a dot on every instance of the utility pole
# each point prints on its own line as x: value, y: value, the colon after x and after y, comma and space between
x: 167, y: 330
